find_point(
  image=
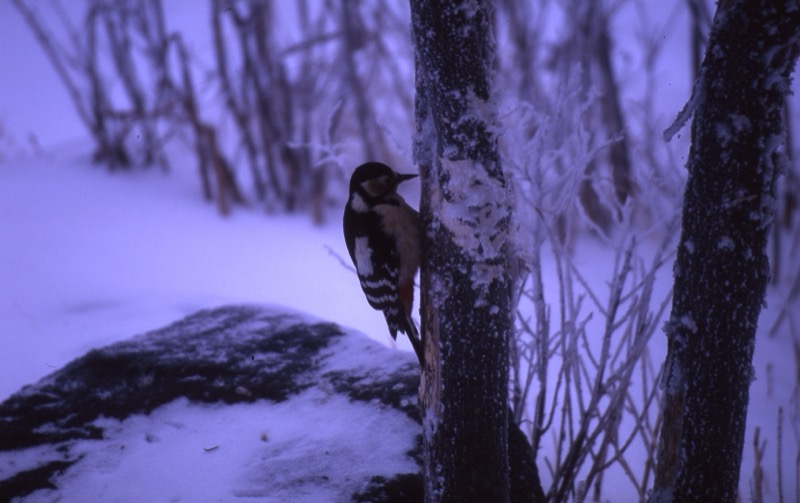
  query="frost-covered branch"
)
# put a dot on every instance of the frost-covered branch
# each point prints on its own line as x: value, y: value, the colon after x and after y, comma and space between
x: 584, y: 380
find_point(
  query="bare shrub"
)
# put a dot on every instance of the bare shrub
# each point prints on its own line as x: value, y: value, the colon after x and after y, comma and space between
x: 584, y: 381
x: 135, y: 87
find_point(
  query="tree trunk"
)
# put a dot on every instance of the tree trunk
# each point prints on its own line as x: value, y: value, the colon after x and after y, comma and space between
x: 721, y: 270
x: 465, y: 284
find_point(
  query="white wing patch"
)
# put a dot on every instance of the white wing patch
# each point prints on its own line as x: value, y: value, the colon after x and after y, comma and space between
x: 363, y: 257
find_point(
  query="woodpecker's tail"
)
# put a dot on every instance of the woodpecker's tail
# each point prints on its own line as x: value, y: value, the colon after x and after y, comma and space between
x: 400, y: 322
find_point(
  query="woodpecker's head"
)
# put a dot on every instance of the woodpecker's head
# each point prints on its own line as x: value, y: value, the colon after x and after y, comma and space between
x: 373, y: 181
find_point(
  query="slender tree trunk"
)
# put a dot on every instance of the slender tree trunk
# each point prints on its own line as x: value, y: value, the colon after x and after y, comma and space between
x: 721, y: 270
x: 352, y: 43
x: 466, y: 288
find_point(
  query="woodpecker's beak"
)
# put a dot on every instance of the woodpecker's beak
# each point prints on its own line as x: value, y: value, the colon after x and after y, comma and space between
x: 402, y: 178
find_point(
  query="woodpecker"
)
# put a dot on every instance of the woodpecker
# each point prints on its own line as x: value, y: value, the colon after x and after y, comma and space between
x: 382, y: 234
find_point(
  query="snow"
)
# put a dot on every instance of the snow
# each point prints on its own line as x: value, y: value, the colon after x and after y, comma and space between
x: 687, y: 321
x: 197, y: 452
x: 725, y: 243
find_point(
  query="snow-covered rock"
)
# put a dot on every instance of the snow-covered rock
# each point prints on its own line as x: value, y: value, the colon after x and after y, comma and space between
x: 239, y: 402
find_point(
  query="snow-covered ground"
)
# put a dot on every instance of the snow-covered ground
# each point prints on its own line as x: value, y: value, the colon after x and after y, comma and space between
x: 225, y: 453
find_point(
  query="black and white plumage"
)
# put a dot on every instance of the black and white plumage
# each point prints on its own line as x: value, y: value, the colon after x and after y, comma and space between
x: 383, y: 238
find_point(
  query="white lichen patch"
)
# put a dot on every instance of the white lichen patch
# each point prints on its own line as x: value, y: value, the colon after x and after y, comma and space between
x: 725, y: 243
x: 688, y: 321
x: 477, y: 215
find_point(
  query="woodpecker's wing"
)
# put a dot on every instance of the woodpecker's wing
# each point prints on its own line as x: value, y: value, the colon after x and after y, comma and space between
x: 374, y: 254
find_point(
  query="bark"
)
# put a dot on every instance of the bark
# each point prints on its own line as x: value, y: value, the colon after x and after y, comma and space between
x: 466, y: 283
x: 721, y: 270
